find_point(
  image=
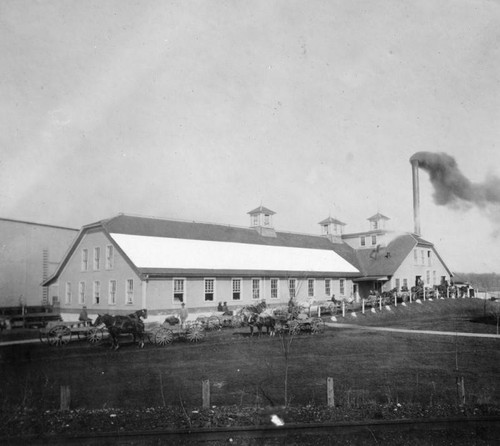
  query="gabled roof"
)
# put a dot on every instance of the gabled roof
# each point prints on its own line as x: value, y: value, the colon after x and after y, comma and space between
x: 330, y: 220
x: 262, y: 210
x: 378, y: 216
x: 384, y: 261
x: 159, y: 246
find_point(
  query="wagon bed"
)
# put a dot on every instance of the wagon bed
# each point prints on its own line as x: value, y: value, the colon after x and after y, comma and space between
x: 60, y: 333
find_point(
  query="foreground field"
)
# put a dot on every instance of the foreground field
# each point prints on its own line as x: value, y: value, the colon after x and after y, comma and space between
x: 375, y: 375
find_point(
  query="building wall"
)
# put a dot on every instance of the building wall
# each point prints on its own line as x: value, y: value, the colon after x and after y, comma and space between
x: 120, y: 272
x: 160, y: 293
x: 29, y: 253
x: 410, y: 268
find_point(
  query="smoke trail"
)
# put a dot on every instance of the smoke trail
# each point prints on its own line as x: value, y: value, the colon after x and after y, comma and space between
x: 451, y: 187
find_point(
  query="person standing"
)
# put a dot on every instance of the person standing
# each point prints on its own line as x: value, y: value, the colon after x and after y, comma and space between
x: 184, y: 313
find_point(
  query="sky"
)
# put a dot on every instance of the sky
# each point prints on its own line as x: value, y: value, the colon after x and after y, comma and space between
x: 203, y: 110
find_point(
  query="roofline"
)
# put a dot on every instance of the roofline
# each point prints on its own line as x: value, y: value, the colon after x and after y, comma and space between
x: 85, y: 229
x: 37, y: 224
x: 160, y: 273
x: 371, y: 232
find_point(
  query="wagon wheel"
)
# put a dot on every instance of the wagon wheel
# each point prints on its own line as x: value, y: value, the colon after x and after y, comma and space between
x: 236, y: 321
x: 317, y: 325
x: 213, y: 323
x: 195, y: 333
x: 95, y: 335
x: 59, y: 335
x: 164, y: 336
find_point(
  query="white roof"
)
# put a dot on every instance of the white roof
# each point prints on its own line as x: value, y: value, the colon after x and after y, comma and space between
x: 160, y: 252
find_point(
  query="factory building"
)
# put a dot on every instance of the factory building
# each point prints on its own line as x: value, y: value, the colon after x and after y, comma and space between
x: 29, y: 254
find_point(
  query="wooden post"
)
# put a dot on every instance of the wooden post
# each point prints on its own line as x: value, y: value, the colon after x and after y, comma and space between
x: 65, y: 397
x: 319, y: 310
x: 343, y: 308
x: 330, y: 392
x: 461, y: 390
x: 380, y: 303
x: 205, y: 384
x: 363, y: 306
x: 396, y: 299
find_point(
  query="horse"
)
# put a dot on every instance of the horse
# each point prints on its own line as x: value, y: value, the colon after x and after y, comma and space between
x: 118, y: 325
x: 254, y: 317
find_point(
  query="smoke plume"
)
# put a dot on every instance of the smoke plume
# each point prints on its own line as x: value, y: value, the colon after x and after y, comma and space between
x: 451, y: 187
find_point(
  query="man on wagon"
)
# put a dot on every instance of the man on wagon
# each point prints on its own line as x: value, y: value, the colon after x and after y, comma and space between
x: 84, y: 317
x: 183, y: 314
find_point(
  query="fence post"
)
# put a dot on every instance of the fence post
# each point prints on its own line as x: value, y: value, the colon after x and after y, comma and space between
x: 330, y: 392
x: 461, y: 390
x: 65, y: 397
x: 380, y: 303
x: 343, y: 308
x: 363, y: 306
x: 205, y: 384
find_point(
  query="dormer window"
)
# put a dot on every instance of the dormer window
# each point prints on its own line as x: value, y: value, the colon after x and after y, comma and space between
x: 267, y: 219
x: 325, y: 229
x: 363, y: 240
x: 255, y: 220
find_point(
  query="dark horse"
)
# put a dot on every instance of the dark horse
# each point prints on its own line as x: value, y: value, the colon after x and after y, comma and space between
x: 119, y: 325
x: 255, y: 317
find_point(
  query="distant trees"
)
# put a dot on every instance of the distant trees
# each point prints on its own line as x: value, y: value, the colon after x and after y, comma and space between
x: 483, y: 282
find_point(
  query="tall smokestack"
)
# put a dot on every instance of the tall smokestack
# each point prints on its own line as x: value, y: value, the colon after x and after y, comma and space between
x: 416, y: 196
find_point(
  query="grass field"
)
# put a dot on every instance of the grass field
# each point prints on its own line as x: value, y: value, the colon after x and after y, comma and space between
x: 367, y: 367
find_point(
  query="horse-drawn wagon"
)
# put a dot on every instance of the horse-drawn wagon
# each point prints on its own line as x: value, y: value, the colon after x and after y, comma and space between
x: 296, y: 323
x: 171, y: 329
x: 59, y: 333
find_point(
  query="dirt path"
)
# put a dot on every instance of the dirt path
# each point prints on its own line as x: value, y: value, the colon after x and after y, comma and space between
x: 404, y: 330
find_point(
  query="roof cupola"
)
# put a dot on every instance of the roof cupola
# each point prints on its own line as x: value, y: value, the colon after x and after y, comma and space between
x: 332, y: 229
x: 261, y: 219
x: 378, y: 221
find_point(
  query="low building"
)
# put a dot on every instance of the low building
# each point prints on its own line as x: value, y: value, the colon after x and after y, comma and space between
x: 30, y: 253
x: 126, y: 263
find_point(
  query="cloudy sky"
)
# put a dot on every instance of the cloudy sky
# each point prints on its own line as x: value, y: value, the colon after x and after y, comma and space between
x: 203, y: 110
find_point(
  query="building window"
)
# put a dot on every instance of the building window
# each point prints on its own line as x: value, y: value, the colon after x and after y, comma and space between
x: 328, y: 289
x: 85, y: 259
x: 342, y: 286
x: 97, y: 258
x: 97, y: 292
x: 374, y: 239
x: 428, y: 277
x: 325, y: 229
x: 236, y: 289
x: 112, y: 292
x: 255, y: 288
x: 255, y: 219
x: 434, y: 278
x: 266, y: 220
x: 429, y: 261
x: 405, y: 284
x: 130, y: 292
x: 179, y: 289
x: 292, y: 287
x: 363, y: 240
x: 110, y: 253
x: 397, y: 284
x: 68, y: 293
x: 422, y: 254
x: 310, y: 287
x: 81, y: 293
x: 274, y: 288
x: 209, y: 290
x: 415, y: 256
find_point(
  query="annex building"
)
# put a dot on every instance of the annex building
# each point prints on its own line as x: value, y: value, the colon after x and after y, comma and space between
x: 29, y: 254
x: 128, y: 262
